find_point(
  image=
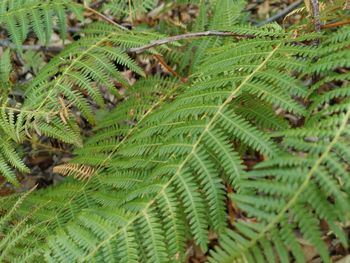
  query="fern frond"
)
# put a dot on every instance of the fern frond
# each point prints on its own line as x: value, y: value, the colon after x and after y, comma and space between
x: 183, y: 160
x: 5, y: 71
x: 160, y: 167
x: 227, y: 14
x: 16, y: 231
x: 131, y: 9
x: 20, y: 17
x: 310, y: 181
x: 306, y: 196
x: 80, y: 172
x: 66, y: 82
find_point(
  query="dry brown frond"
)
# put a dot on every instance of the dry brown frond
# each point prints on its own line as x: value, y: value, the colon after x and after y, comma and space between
x: 79, y: 171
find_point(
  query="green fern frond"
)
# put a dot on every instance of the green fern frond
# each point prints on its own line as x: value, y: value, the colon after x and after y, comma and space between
x: 162, y: 166
x: 16, y: 231
x: 64, y: 83
x: 20, y: 17
x: 184, y: 160
x: 131, y: 9
x: 310, y: 182
x: 304, y: 202
x: 5, y: 71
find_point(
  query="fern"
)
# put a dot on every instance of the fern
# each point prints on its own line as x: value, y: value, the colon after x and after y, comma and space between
x: 17, y: 233
x: 297, y: 190
x: 63, y: 83
x: 155, y: 171
x: 131, y: 9
x: 174, y: 162
x: 9, y: 156
x: 22, y: 16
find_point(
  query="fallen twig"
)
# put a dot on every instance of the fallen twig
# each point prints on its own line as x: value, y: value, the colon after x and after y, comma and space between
x: 316, y: 15
x: 163, y: 41
x: 336, y: 24
x: 103, y: 17
x: 282, y: 13
x: 38, y: 47
x: 137, y: 50
x: 168, y: 68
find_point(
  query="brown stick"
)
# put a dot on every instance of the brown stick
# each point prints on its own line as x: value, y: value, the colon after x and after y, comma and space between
x: 168, y: 68
x: 103, y: 17
x: 316, y: 14
x: 152, y: 44
x: 336, y: 24
x: 281, y: 13
x: 163, y: 41
x: 53, y: 48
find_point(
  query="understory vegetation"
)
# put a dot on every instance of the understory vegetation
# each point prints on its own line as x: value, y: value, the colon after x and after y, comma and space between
x: 211, y: 135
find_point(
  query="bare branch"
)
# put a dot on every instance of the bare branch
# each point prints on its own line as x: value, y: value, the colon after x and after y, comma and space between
x: 316, y: 14
x: 336, y: 24
x: 103, y: 17
x: 137, y: 50
x: 282, y: 13
x: 163, y: 41
x: 53, y: 48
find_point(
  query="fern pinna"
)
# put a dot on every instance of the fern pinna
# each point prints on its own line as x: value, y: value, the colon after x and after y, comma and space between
x: 155, y: 171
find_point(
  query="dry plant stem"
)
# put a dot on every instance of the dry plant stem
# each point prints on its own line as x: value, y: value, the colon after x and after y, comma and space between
x: 130, y: 12
x: 281, y: 14
x: 336, y: 24
x: 103, y: 17
x: 53, y: 48
x: 316, y: 14
x: 97, y: 4
x: 163, y: 41
x: 168, y: 68
x: 137, y: 50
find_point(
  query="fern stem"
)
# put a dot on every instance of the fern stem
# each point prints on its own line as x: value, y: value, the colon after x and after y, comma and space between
x: 141, y: 49
x: 43, y: 113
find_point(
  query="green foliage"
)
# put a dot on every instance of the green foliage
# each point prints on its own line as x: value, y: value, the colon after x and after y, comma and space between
x: 22, y: 16
x: 64, y: 81
x: 308, y: 183
x: 129, y: 9
x: 17, y: 233
x: 155, y: 170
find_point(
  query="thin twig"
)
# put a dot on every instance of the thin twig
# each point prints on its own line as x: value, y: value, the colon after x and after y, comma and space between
x: 336, y: 24
x: 163, y: 41
x: 103, y: 17
x: 138, y: 50
x: 168, y: 68
x: 71, y: 29
x: 97, y: 4
x: 282, y: 13
x: 53, y: 48
x: 316, y: 15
